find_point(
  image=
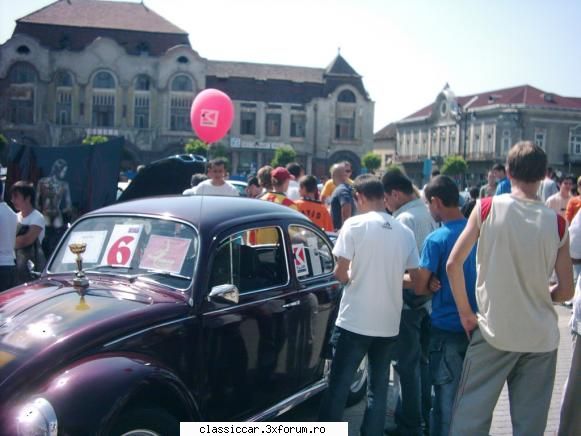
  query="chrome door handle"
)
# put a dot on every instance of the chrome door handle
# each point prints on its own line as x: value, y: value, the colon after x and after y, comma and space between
x: 294, y: 303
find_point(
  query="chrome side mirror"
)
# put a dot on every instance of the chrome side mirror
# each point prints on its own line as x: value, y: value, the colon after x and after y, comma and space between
x: 224, y: 294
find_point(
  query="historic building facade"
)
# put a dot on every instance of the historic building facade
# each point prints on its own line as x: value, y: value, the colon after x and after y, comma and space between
x: 482, y: 128
x: 78, y: 68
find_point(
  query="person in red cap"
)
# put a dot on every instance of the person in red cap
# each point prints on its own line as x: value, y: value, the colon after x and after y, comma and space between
x: 280, y: 180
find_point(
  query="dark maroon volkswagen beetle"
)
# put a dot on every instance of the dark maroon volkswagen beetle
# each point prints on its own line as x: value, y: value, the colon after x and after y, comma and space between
x: 184, y: 309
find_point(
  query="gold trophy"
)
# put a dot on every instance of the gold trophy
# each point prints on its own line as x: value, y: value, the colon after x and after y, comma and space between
x: 80, y: 279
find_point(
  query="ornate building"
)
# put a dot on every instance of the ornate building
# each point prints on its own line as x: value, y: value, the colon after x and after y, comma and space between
x: 482, y: 128
x: 85, y: 67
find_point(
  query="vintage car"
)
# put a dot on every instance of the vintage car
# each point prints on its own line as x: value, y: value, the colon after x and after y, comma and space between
x: 168, y: 309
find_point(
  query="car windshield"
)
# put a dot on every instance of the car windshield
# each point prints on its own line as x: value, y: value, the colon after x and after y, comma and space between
x: 138, y: 248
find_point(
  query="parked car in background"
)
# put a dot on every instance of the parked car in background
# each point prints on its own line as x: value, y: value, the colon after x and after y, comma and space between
x: 184, y: 309
x: 240, y: 186
x: 168, y: 176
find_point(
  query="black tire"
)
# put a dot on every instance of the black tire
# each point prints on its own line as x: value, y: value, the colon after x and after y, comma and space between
x: 358, y: 388
x: 151, y: 422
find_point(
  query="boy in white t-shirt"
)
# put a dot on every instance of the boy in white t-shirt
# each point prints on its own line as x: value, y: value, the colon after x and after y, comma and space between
x: 8, y: 225
x: 216, y: 183
x: 369, y: 313
x: 515, y: 333
x: 22, y: 195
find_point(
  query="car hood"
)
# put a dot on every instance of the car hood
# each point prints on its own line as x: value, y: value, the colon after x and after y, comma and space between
x: 48, y: 323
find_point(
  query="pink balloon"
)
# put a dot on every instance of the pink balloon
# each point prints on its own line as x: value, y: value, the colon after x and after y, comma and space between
x: 211, y: 115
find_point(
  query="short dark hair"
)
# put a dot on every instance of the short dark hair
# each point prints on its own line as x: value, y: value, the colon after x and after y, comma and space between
x: 527, y: 162
x: 252, y: 180
x: 295, y: 169
x: 570, y: 177
x: 499, y: 167
x: 435, y: 173
x: 24, y: 188
x: 369, y: 186
x: 197, y: 179
x: 396, y: 180
x: 217, y: 162
x: 309, y: 183
x: 444, y: 188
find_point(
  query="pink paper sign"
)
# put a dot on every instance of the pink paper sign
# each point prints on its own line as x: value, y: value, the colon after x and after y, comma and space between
x: 165, y: 253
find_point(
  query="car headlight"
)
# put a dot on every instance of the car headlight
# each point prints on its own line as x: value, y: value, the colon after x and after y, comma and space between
x: 37, y: 418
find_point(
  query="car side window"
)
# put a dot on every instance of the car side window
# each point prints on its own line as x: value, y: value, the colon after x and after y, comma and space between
x: 313, y: 256
x: 252, y: 260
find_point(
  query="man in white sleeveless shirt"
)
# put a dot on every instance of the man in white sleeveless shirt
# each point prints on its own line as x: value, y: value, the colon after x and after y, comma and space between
x: 514, y: 334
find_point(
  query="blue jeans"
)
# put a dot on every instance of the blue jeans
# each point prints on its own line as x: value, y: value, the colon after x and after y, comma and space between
x: 412, y: 348
x: 350, y: 348
x: 447, y: 351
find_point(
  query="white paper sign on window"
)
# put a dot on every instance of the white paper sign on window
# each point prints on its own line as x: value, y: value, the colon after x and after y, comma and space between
x: 300, y: 258
x: 122, y: 244
x: 94, y: 240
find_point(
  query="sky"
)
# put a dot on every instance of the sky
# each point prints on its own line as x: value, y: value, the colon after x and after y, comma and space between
x: 406, y: 50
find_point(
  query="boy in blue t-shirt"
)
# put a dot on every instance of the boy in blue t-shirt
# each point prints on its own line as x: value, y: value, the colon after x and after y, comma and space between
x: 448, y: 341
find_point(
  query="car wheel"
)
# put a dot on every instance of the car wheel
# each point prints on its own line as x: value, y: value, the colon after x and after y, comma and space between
x: 358, y: 387
x: 147, y: 422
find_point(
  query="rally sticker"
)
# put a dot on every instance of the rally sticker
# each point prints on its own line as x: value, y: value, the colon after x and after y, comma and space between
x: 209, y: 117
x: 122, y: 244
x: 300, y: 260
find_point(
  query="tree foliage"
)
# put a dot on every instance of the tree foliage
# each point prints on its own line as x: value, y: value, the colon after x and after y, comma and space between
x: 371, y: 161
x: 95, y: 139
x: 283, y: 156
x: 454, y: 166
x: 196, y: 146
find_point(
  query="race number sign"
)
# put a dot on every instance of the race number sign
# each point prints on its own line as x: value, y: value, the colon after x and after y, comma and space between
x: 300, y: 260
x: 94, y: 239
x: 165, y: 253
x: 122, y: 244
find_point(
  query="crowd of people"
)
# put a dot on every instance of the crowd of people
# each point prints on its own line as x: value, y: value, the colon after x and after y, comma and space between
x: 459, y: 296
x: 459, y: 293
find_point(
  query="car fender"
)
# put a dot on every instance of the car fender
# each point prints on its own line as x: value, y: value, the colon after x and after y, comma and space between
x: 90, y: 395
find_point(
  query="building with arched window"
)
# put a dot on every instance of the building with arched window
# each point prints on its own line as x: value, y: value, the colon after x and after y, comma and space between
x: 74, y: 69
x: 483, y: 127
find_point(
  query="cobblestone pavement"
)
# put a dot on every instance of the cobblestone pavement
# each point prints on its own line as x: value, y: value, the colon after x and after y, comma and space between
x: 501, y: 424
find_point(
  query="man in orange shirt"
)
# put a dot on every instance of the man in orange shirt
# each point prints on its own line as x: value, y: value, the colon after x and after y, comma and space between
x: 574, y: 204
x: 309, y: 206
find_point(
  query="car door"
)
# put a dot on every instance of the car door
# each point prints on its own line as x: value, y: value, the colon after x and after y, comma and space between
x: 249, y: 347
x: 319, y: 296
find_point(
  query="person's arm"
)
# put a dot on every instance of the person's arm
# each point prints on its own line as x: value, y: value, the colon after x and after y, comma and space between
x: 563, y: 290
x: 455, y: 271
x: 421, y: 282
x: 346, y: 212
x: 342, y: 270
x: 28, y: 238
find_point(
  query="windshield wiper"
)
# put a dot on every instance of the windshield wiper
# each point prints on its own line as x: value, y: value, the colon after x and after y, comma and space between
x: 154, y: 272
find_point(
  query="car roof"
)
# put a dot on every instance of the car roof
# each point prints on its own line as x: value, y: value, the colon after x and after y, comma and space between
x: 204, y: 211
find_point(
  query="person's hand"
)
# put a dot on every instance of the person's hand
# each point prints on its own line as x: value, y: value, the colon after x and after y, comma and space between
x: 469, y: 323
x: 434, y: 284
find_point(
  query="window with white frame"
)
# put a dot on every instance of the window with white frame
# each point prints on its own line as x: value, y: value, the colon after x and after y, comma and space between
x: 506, y: 140
x: 273, y: 124
x: 64, y: 98
x: 141, y: 102
x: 540, y: 137
x: 298, y: 125
x: 103, y: 100
x: 575, y: 140
x: 22, y: 79
x: 181, y: 98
